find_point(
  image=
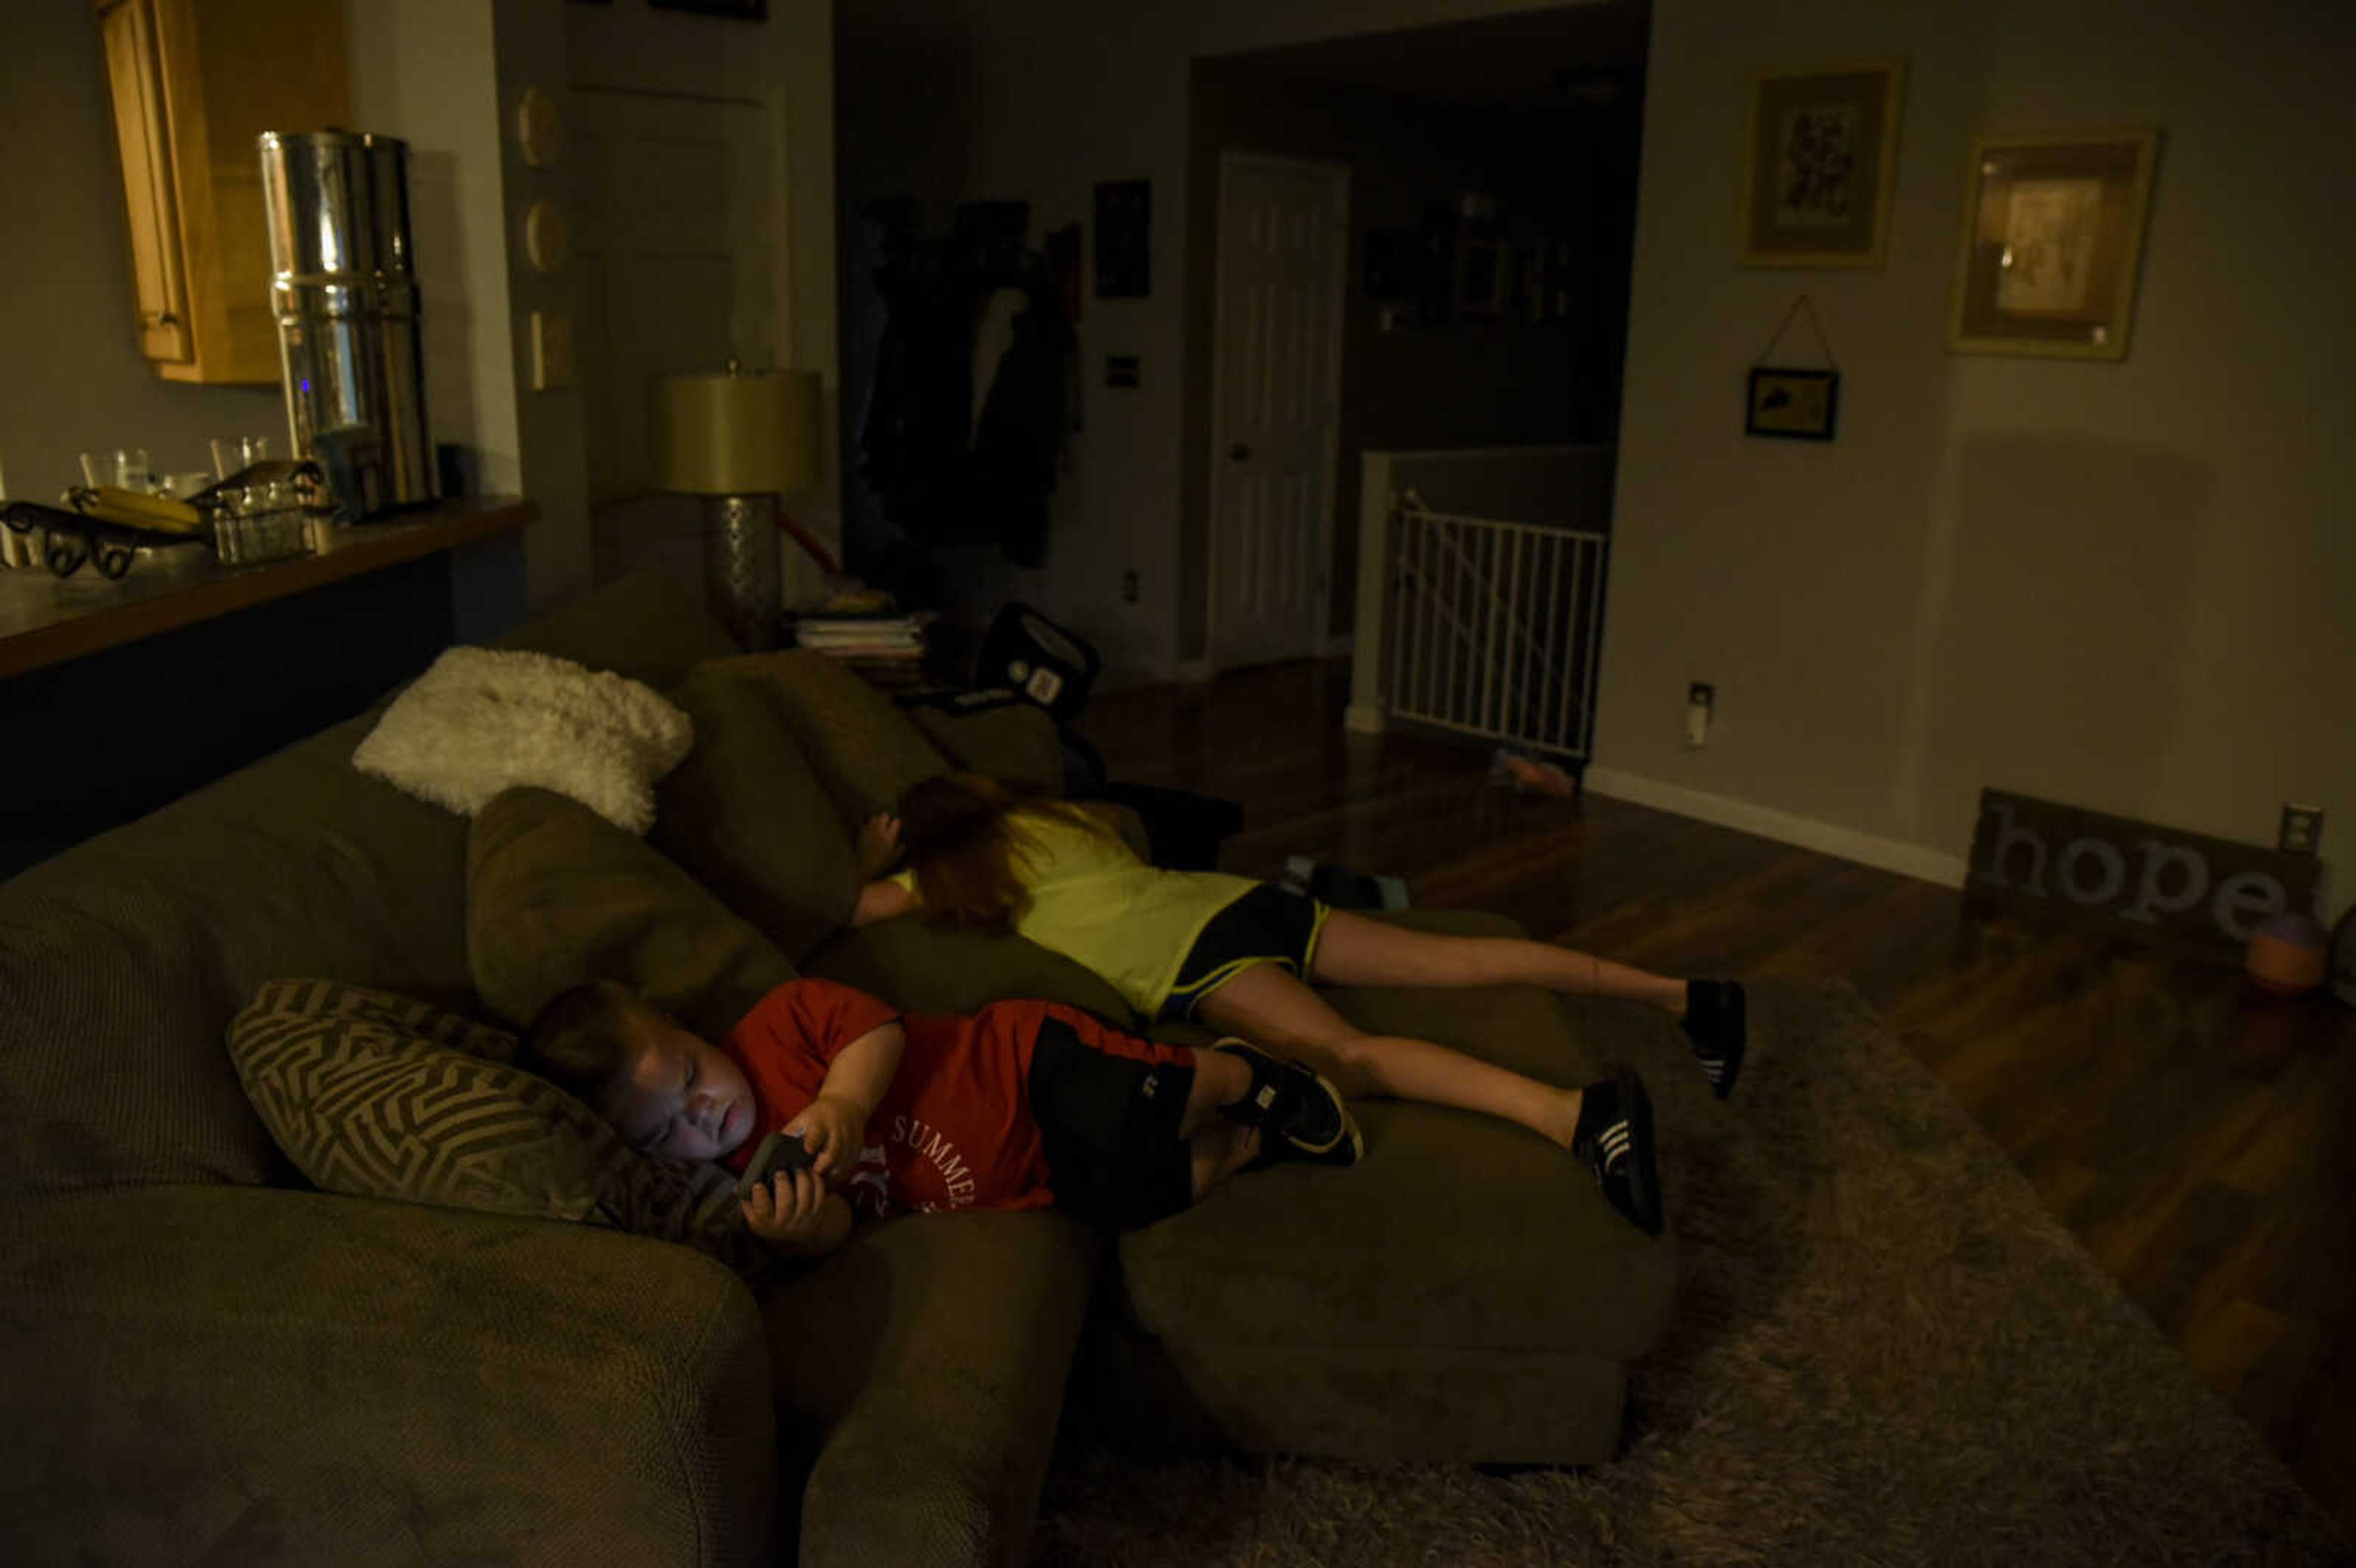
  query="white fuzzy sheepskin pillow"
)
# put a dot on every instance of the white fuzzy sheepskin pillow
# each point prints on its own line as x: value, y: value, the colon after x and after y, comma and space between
x: 482, y: 721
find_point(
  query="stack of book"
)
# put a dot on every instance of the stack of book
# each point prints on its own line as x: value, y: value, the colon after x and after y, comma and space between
x: 885, y: 648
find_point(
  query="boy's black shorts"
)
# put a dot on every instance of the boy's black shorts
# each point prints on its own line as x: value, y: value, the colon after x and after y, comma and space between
x: 1109, y: 1106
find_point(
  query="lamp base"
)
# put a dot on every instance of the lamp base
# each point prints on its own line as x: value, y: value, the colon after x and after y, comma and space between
x: 741, y: 568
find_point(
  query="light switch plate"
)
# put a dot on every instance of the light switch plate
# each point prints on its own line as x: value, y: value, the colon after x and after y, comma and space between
x: 551, y: 350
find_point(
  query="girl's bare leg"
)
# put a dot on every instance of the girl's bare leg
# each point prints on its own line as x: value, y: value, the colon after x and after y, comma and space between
x: 1355, y: 950
x: 1269, y: 1007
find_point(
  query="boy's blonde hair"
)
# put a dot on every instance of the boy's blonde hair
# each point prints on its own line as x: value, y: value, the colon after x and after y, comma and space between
x: 584, y: 1040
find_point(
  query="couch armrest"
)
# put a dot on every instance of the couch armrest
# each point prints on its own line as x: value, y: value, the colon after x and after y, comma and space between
x: 244, y: 1373
x: 920, y: 1371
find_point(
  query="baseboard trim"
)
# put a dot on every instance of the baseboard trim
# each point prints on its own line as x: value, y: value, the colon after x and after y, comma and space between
x: 1825, y: 838
x: 1191, y: 672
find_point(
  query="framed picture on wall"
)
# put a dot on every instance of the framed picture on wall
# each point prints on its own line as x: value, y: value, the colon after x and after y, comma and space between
x: 2052, y: 234
x: 1821, y: 157
x: 1794, y: 405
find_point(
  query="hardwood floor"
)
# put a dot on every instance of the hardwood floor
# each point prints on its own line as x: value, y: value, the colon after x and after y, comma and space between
x: 2197, y: 1136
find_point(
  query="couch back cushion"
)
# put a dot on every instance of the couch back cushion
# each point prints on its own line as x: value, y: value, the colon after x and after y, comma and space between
x: 122, y: 960
x: 377, y: 1095
x: 647, y: 626
x: 745, y: 816
x: 1012, y: 740
x: 927, y: 969
x: 865, y: 751
x: 557, y: 895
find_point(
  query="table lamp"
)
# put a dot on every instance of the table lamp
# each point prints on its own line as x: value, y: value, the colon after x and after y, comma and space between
x: 739, y: 440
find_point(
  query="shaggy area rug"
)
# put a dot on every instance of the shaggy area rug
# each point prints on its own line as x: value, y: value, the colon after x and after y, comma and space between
x: 1886, y: 1353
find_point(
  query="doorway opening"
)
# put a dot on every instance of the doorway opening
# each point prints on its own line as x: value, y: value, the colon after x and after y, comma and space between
x: 1491, y: 175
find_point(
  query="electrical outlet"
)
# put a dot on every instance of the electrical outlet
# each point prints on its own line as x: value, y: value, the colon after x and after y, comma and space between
x: 1129, y: 586
x: 1702, y: 699
x: 2302, y: 829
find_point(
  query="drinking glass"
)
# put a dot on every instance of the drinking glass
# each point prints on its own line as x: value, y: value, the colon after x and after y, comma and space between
x: 232, y: 454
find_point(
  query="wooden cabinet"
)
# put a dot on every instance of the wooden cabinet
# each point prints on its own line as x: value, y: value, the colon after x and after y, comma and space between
x: 195, y: 83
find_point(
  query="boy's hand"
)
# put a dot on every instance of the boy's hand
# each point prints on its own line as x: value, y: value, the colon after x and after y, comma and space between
x: 788, y: 1210
x: 879, y: 844
x: 834, y: 1130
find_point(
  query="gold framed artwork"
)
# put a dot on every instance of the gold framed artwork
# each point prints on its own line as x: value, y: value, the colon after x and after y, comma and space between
x: 1822, y: 155
x: 2053, y: 232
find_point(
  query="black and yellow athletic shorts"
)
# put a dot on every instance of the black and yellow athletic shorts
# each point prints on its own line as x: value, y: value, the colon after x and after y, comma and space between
x: 1267, y: 925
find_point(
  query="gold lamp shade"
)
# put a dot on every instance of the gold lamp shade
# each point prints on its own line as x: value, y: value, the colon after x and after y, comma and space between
x: 728, y: 433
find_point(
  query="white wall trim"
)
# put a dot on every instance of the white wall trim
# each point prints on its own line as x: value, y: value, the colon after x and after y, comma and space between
x: 1830, y: 838
x: 1191, y: 672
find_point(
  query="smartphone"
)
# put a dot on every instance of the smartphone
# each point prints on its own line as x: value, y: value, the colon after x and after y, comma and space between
x: 778, y: 1151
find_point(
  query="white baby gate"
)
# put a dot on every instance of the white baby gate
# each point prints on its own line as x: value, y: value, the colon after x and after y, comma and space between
x: 1485, y: 627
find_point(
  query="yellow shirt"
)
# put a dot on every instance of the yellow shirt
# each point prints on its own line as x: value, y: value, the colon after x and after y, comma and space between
x: 1093, y: 901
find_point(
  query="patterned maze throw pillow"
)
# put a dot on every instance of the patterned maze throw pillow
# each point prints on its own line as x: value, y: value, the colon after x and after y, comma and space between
x: 378, y: 1096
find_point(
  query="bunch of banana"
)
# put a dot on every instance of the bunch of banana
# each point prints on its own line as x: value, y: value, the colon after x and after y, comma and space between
x: 136, y: 509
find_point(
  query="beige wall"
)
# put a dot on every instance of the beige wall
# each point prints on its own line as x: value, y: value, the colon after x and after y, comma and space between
x: 2126, y: 586
x: 785, y: 65
x: 71, y: 378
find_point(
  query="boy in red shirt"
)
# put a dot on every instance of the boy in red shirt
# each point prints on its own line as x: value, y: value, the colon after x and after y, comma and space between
x: 1020, y: 1105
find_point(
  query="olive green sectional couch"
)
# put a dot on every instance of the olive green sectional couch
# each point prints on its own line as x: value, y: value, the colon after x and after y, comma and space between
x: 211, y: 1359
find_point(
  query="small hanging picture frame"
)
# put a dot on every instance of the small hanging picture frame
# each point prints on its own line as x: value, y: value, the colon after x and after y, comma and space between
x: 1796, y: 405
x: 1791, y: 402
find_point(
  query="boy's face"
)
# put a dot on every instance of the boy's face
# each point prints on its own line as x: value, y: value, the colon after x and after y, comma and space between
x: 681, y: 1096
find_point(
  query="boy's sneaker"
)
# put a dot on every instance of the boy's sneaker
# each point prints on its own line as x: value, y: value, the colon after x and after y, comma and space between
x: 1716, y: 1024
x: 1614, y: 1140
x: 1299, y: 1116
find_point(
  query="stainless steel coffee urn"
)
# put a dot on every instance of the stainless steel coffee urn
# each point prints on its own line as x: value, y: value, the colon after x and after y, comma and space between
x: 346, y: 298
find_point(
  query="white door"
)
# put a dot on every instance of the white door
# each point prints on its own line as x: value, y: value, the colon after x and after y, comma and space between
x: 1276, y: 397
x: 674, y: 268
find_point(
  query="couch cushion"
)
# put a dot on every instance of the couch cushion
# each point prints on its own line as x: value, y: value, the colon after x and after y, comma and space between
x: 646, y: 625
x: 1014, y: 740
x: 866, y: 752
x: 239, y: 1376
x: 925, y: 970
x: 920, y: 1373
x: 746, y: 815
x: 122, y: 960
x: 556, y: 895
x: 1462, y: 1269
x: 376, y: 1095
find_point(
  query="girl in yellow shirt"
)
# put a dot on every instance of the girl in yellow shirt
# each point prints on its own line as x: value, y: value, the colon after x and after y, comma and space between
x: 1239, y: 954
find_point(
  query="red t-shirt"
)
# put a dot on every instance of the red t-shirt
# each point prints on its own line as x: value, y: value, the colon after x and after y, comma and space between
x: 953, y: 1130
